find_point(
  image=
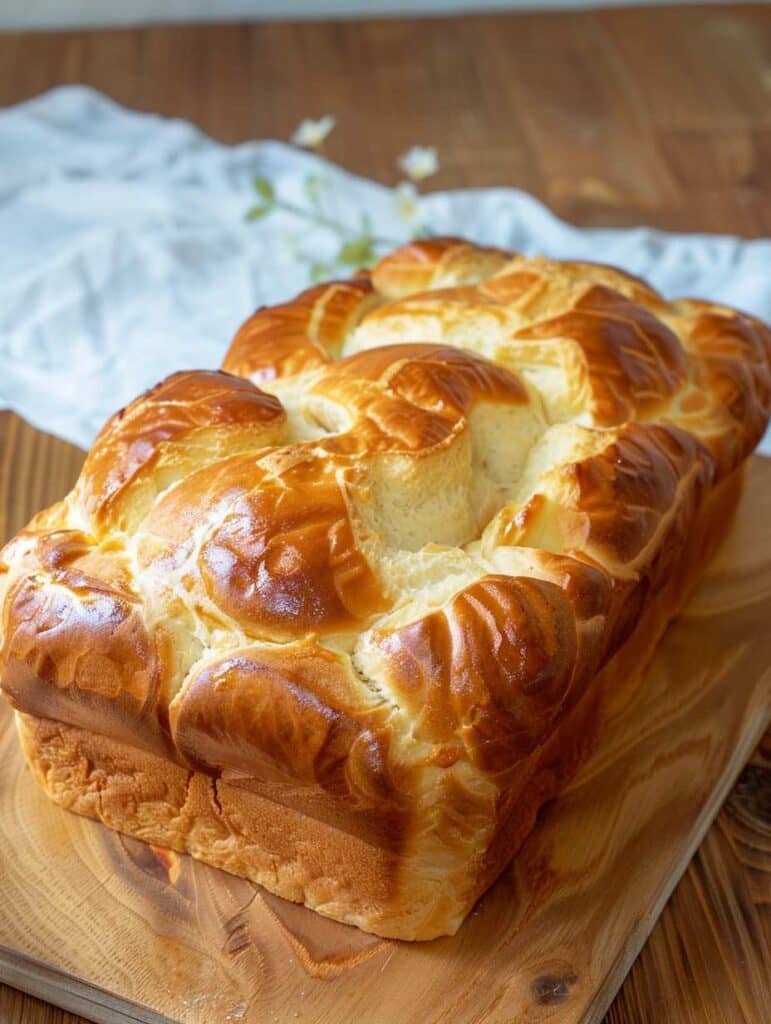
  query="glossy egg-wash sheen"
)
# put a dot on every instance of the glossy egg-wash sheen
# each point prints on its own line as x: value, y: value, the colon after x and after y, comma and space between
x: 383, y: 571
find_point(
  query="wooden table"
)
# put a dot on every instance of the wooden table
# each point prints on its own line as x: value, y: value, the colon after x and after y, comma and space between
x: 661, y: 116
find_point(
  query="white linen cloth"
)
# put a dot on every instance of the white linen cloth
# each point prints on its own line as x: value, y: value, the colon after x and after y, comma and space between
x: 125, y: 255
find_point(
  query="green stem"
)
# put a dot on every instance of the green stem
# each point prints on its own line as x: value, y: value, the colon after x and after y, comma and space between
x: 326, y: 222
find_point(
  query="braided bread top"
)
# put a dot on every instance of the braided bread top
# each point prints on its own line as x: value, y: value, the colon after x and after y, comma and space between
x: 394, y: 541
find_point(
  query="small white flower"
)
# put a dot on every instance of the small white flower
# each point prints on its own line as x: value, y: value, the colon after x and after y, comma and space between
x: 419, y: 162
x: 406, y: 200
x: 311, y: 133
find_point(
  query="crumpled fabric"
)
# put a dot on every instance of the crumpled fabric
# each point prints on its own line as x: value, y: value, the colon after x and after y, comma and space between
x: 125, y: 253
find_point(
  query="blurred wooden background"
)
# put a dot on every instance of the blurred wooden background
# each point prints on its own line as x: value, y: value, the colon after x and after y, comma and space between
x: 655, y: 115
x: 659, y: 116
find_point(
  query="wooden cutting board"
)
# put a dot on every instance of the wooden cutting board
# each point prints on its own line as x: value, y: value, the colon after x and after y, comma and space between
x: 118, y: 931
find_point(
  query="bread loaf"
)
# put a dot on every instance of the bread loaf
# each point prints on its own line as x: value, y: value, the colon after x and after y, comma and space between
x: 340, y: 617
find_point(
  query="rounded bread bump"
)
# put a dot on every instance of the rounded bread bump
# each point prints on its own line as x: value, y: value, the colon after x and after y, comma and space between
x: 189, y: 419
x: 493, y: 667
x: 300, y: 335
x: 76, y: 647
x: 291, y: 713
x: 435, y: 263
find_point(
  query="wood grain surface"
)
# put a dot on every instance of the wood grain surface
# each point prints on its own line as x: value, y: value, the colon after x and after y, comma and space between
x: 661, y: 116
x: 112, y: 928
x: 626, y: 116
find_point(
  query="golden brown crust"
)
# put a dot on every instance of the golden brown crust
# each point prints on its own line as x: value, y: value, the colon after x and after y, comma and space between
x: 729, y: 356
x: 363, y: 866
x: 292, y: 714
x: 410, y: 398
x: 384, y: 589
x: 630, y: 361
x: 491, y: 668
x: 76, y: 647
x: 187, y: 419
x: 434, y: 262
x: 301, y: 335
